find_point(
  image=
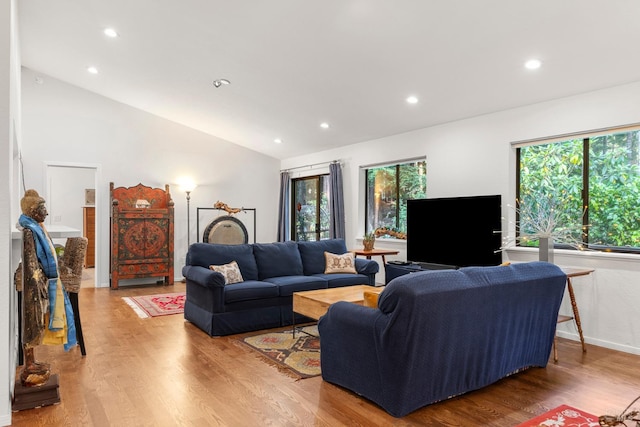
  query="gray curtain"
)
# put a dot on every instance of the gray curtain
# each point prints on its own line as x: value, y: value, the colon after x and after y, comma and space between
x: 283, y: 207
x: 336, y: 202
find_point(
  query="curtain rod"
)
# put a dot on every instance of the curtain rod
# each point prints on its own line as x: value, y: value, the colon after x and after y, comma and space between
x: 310, y: 166
x: 576, y: 135
x: 394, y: 162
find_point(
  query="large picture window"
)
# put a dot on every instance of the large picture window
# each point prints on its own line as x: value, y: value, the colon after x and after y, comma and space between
x: 387, y: 190
x: 590, y: 183
x: 310, y: 208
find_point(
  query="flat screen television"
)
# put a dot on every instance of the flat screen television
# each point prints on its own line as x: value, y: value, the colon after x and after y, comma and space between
x: 455, y: 232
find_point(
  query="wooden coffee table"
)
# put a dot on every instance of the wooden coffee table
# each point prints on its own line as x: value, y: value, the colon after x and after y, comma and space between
x: 315, y: 304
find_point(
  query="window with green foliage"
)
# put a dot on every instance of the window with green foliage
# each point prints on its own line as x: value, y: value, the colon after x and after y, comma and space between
x: 310, y: 208
x: 387, y: 192
x: 592, y: 186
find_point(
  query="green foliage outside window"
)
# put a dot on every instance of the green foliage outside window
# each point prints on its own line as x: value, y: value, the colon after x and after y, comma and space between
x: 614, y: 188
x: 551, y: 180
x: 387, y: 192
x: 605, y: 216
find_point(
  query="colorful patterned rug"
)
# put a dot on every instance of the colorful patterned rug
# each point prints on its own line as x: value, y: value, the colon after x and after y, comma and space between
x: 564, y: 416
x: 300, y: 354
x: 157, y: 305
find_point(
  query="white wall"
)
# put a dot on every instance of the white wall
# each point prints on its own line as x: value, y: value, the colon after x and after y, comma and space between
x: 66, y: 194
x: 475, y: 157
x: 63, y: 123
x: 9, y: 143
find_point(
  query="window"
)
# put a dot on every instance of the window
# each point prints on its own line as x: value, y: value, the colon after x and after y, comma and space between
x: 310, y: 208
x: 387, y: 190
x: 593, y: 185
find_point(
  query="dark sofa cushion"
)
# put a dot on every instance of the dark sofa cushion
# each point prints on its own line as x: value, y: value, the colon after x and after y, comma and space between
x: 312, y: 254
x: 249, y: 290
x: 287, y: 285
x: 206, y: 254
x: 337, y: 280
x: 277, y: 259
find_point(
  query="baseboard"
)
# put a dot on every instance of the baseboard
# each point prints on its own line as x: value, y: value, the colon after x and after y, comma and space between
x: 5, y: 419
x: 600, y: 343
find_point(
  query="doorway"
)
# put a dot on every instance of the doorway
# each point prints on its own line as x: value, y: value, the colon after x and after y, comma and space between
x: 310, y: 208
x: 72, y: 192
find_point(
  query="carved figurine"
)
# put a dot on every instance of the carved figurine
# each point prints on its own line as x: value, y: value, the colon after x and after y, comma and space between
x: 47, y: 316
x: 381, y: 231
x: 225, y: 207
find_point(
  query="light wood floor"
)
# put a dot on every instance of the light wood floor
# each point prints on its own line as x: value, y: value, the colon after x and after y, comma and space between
x: 163, y: 371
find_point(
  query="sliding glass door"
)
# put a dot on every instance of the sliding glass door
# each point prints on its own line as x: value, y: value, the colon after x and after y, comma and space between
x: 310, y: 209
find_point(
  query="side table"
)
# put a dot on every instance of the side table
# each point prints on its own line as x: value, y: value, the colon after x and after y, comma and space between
x: 375, y: 252
x: 572, y: 272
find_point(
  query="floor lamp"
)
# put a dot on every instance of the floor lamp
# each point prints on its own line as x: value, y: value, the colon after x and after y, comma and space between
x: 188, y: 188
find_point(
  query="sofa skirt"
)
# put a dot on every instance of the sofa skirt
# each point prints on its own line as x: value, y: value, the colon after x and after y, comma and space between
x: 236, y: 322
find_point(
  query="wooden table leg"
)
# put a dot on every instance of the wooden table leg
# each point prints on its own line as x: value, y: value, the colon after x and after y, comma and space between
x: 293, y: 323
x: 576, y: 314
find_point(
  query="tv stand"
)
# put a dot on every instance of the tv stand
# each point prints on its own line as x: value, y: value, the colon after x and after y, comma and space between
x: 393, y: 270
x: 434, y: 266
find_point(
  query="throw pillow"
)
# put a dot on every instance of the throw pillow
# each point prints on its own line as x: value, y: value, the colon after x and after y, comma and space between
x: 344, y: 263
x: 231, y: 272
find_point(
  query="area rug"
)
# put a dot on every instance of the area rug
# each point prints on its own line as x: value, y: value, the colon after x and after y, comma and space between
x: 300, y: 354
x: 564, y: 416
x: 157, y: 305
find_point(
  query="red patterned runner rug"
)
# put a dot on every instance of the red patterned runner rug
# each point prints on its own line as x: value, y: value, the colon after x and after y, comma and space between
x: 157, y: 305
x: 564, y: 416
x: 300, y: 355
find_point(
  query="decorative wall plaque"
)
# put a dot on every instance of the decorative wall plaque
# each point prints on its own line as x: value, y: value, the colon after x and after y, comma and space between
x: 90, y: 196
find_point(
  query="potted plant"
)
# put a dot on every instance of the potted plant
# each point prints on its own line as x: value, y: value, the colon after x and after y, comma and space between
x: 368, y: 241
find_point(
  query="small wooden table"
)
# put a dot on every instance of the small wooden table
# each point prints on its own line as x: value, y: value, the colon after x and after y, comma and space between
x: 572, y: 272
x: 375, y: 252
x: 315, y: 304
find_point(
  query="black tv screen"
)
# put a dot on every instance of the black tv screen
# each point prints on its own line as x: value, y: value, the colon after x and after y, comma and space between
x: 455, y: 232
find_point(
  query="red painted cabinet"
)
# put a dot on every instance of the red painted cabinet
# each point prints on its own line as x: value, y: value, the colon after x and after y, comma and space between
x: 141, y: 237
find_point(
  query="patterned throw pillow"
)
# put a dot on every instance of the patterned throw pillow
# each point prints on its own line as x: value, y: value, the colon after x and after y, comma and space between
x: 344, y: 263
x: 231, y: 272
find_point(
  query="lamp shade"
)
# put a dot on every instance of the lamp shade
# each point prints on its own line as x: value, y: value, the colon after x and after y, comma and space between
x: 187, y: 185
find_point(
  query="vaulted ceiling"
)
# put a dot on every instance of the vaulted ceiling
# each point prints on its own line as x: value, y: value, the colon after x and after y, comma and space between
x: 294, y: 64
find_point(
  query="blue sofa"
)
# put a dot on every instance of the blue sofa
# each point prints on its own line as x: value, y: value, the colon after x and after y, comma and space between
x: 438, y: 334
x: 272, y: 272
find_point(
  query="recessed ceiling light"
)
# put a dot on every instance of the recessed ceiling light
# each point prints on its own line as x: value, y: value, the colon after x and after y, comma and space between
x: 92, y: 70
x: 412, y: 99
x: 324, y: 125
x: 533, y: 64
x: 220, y: 82
x: 110, y: 32
x: 277, y: 141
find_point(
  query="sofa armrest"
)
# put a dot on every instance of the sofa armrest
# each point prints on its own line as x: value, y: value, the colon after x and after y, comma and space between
x: 349, y: 318
x: 349, y: 337
x: 205, y: 288
x: 366, y: 266
x: 203, y: 276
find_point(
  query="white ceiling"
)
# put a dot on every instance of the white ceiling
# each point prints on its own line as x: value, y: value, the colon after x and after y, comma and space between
x: 296, y: 63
